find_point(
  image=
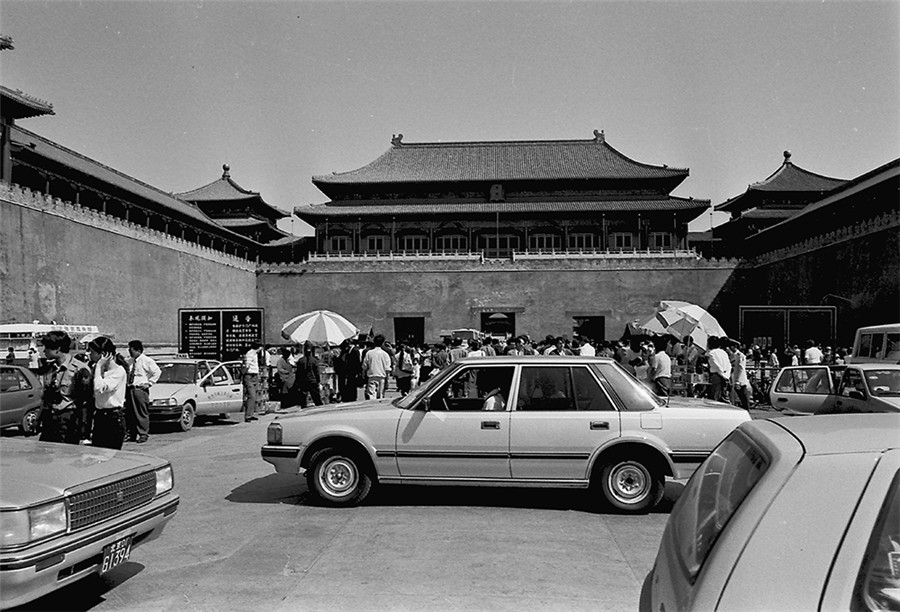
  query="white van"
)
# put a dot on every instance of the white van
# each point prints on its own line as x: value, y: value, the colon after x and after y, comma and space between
x: 877, y: 344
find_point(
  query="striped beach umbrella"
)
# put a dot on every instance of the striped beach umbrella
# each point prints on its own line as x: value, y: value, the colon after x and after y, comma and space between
x: 321, y: 327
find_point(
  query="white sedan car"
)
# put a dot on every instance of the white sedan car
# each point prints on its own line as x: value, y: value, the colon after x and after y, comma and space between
x: 191, y: 388
x: 526, y: 421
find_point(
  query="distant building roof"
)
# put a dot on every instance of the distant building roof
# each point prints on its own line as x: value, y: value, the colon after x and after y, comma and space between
x: 419, y: 208
x: 499, y: 161
x: 19, y: 105
x: 789, y: 180
x: 224, y: 192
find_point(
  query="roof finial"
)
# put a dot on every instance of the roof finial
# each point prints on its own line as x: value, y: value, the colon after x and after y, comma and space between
x: 226, y: 168
x: 599, y: 136
x: 787, y: 157
x: 397, y: 139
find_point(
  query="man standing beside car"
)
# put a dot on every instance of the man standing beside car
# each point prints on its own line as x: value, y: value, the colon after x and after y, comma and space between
x: 68, y: 391
x: 142, y: 374
x: 250, y: 379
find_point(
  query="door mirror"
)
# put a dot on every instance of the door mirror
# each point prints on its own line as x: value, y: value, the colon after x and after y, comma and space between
x: 857, y: 395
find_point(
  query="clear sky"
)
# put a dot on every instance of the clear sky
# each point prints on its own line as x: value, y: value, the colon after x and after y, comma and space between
x: 167, y: 92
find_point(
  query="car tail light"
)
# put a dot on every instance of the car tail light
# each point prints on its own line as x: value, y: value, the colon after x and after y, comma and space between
x: 273, y: 433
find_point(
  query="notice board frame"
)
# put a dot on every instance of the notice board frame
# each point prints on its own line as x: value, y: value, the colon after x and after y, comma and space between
x: 219, y: 333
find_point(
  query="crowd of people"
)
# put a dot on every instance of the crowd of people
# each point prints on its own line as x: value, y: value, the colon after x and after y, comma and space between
x: 727, y: 369
x: 99, y: 398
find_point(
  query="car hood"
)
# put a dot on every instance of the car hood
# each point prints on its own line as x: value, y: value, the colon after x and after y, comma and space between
x: 35, y: 471
x: 345, y: 409
x: 163, y: 390
x: 889, y: 403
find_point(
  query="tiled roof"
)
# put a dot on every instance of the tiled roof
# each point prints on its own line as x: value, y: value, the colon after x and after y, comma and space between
x: 226, y: 190
x: 768, y: 213
x: 20, y: 105
x: 787, y: 179
x: 61, y: 155
x: 499, y: 161
x: 246, y: 222
x: 423, y: 209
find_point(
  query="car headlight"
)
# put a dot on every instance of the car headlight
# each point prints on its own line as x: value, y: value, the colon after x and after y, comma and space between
x: 168, y: 401
x: 274, y: 433
x: 32, y: 524
x: 165, y: 480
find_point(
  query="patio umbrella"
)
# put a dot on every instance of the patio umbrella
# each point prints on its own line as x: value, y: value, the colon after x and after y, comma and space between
x: 682, y: 319
x: 321, y: 327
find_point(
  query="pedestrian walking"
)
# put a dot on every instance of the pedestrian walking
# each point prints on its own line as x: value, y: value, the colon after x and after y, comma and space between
x: 143, y: 373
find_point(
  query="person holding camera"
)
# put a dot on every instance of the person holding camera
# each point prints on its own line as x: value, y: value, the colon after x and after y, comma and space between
x: 68, y: 391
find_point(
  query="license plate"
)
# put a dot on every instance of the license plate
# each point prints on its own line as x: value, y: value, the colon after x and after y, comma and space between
x: 115, y: 554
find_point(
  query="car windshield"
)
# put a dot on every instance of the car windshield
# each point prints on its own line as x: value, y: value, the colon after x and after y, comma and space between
x: 633, y: 394
x: 711, y: 497
x: 883, y: 383
x: 178, y: 373
x: 878, y: 583
x: 423, y: 390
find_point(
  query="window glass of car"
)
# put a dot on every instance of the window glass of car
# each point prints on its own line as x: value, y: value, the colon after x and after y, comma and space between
x: 884, y: 383
x: 219, y: 376
x: 892, y: 350
x: 878, y: 582
x: 13, y: 380
x: 177, y: 373
x: 633, y: 394
x: 202, y: 370
x: 711, y: 497
x: 814, y: 380
x: 468, y: 388
x: 852, y: 381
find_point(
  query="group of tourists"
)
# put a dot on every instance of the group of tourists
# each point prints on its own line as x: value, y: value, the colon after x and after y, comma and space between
x: 100, y: 398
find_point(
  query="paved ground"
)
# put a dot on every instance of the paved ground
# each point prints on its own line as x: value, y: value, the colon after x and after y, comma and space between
x: 246, y: 538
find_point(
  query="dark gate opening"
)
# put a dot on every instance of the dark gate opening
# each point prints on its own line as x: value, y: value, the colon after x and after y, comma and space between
x: 410, y: 330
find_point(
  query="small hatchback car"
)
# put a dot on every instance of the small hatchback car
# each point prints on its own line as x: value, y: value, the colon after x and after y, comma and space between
x: 793, y: 513
x: 68, y: 511
x: 189, y: 389
x: 526, y: 421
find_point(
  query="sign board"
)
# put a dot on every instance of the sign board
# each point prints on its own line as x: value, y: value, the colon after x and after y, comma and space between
x: 218, y: 333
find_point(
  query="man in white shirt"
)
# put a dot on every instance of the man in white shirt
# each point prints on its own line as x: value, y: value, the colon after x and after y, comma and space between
x: 142, y: 374
x: 719, y: 368
x: 587, y: 349
x: 250, y: 380
x: 661, y: 368
x: 739, y: 379
x: 812, y: 355
x: 376, y: 366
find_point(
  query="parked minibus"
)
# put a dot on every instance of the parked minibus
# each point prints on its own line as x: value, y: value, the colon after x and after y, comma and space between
x: 877, y: 344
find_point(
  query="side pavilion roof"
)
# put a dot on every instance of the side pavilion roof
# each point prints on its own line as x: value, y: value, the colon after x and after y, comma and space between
x: 223, y: 192
x: 789, y: 180
x: 544, y: 160
x: 19, y: 105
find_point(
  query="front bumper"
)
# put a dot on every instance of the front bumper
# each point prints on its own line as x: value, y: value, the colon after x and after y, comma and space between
x: 286, y: 459
x: 36, y: 570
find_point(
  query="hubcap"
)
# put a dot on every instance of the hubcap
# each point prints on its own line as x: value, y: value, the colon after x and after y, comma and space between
x: 338, y: 476
x: 629, y: 483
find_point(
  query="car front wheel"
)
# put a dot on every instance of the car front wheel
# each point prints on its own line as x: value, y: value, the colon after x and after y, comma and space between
x: 631, y: 485
x: 186, y: 420
x: 338, y: 477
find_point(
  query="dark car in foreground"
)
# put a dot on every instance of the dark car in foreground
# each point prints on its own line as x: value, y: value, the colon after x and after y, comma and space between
x: 787, y: 514
x: 67, y: 512
x: 20, y: 399
x: 525, y: 421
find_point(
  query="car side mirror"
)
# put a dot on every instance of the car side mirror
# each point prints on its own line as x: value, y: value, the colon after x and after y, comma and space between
x: 857, y: 395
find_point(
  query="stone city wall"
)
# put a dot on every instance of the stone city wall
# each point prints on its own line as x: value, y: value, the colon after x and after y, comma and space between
x: 61, y: 262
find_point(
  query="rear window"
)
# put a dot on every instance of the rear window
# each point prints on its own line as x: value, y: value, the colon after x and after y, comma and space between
x: 711, y: 497
x: 878, y: 583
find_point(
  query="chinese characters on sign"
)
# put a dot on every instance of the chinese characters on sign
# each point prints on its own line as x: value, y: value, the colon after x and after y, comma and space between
x: 219, y: 333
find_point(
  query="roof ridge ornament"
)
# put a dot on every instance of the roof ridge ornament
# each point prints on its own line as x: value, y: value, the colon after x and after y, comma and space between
x: 787, y: 157
x: 226, y: 171
x: 599, y: 136
x: 397, y: 139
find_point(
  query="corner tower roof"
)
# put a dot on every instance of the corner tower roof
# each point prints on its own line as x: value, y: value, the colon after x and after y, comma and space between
x: 499, y: 161
x: 224, y: 191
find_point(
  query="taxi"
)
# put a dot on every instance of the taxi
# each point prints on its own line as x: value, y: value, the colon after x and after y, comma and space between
x: 189, y: 389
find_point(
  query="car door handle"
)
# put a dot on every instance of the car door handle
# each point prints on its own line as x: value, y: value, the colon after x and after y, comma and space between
x: 782, y: 399
x: 490, y: 424
x: 599, y: 424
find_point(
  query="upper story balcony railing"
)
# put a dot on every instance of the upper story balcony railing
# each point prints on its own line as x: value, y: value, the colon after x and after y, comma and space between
x: 514, y: 255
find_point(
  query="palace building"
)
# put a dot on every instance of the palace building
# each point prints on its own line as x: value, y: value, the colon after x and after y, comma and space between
x: 501, y: 199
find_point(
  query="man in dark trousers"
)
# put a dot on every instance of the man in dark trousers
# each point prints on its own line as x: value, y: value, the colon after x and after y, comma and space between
x: 350, y: 370
x: 308, y: 377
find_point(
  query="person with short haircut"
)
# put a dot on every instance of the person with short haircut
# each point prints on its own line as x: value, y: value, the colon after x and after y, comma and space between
x: 250, y: 380
x: 142, y: 374
x: 68, y: 391
x: 376, y: 366
x: 110, y: 382
x: 719, y: 368
x: 308, y: 379
x: 660, y: 367
x: 812, y: 355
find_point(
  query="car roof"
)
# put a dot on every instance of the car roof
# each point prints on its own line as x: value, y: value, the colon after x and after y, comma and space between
x: 842, y: 433
x: 182, y: 360
x: 875, y: 366
x: 529, y: 359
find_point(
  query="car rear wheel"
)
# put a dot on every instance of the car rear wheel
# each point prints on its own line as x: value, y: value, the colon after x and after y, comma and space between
x: 186, y: 420
x: 338, y: 477
x: 631, y: 485
x: 30, y: 422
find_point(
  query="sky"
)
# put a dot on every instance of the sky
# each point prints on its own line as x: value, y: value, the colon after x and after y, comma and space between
x: 167, y: 92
